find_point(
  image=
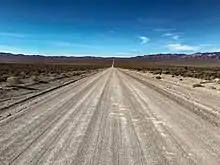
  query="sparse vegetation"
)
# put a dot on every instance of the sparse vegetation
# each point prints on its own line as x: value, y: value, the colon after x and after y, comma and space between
x: 197, y: 71
x: 37, y: 69
x: 25, y: 79
x: 14, y: 74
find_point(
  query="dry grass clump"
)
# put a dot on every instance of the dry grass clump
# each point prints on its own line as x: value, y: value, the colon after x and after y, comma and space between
x: 197, y: 85
x: 212, y: 87
x: 35, y: 78
x: 217, y: 80
x: 205, y: 81
x: 13, y: 81
x: 3, y: 78
x: 158, y: 77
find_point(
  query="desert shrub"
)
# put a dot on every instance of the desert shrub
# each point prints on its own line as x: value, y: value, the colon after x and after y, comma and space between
x: 158, y: 77
x: 205, y: 81
x: 157, y: 72
x: 166, y: 72
x: 77, y: 74
x: 36, y: 72
x: 13, y: 81
x: 3, y: 78
x: 197, y: 85
x: 218, y: 82
x: 22, y: 74
x: 35, y: 78
x: 212, y: 87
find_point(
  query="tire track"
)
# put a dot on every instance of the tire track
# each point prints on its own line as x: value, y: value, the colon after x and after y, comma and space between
x: 162, y: 141
x: 206, y: 139
x: 63, y: 127
x: 18, y: 110
x: 90, y: 133
x: 39, y: 129
x: 41, y: 93
x: 134, y: 113
x: 212, y: 118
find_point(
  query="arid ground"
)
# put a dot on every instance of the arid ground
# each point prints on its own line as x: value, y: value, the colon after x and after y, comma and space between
x: 116, y: 116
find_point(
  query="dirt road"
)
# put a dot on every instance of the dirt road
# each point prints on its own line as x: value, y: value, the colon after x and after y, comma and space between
x: 113, y: 118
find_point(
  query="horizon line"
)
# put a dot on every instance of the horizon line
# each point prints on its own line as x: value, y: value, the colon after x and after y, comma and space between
x: 97, y: 56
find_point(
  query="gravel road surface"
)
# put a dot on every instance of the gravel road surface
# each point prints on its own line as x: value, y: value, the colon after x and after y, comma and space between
x: 110, y: 118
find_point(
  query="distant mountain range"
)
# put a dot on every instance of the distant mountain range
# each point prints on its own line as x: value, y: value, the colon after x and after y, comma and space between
x: 21, y: 58
x: 196, y: 56
x: 16, y: 58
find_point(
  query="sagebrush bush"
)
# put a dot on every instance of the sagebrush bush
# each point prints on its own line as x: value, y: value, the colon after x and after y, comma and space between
x: 197, y: 85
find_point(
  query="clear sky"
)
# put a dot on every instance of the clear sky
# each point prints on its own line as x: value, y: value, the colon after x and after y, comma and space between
x: 109, y: 27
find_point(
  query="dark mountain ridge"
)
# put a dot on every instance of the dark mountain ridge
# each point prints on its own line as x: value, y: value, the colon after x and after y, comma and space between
x: 9, y: 57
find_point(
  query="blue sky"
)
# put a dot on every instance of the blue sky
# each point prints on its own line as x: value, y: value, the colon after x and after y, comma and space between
x: 109, y: 27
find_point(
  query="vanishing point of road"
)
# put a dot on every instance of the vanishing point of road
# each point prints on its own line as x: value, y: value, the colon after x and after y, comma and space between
x: 110, y: 118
